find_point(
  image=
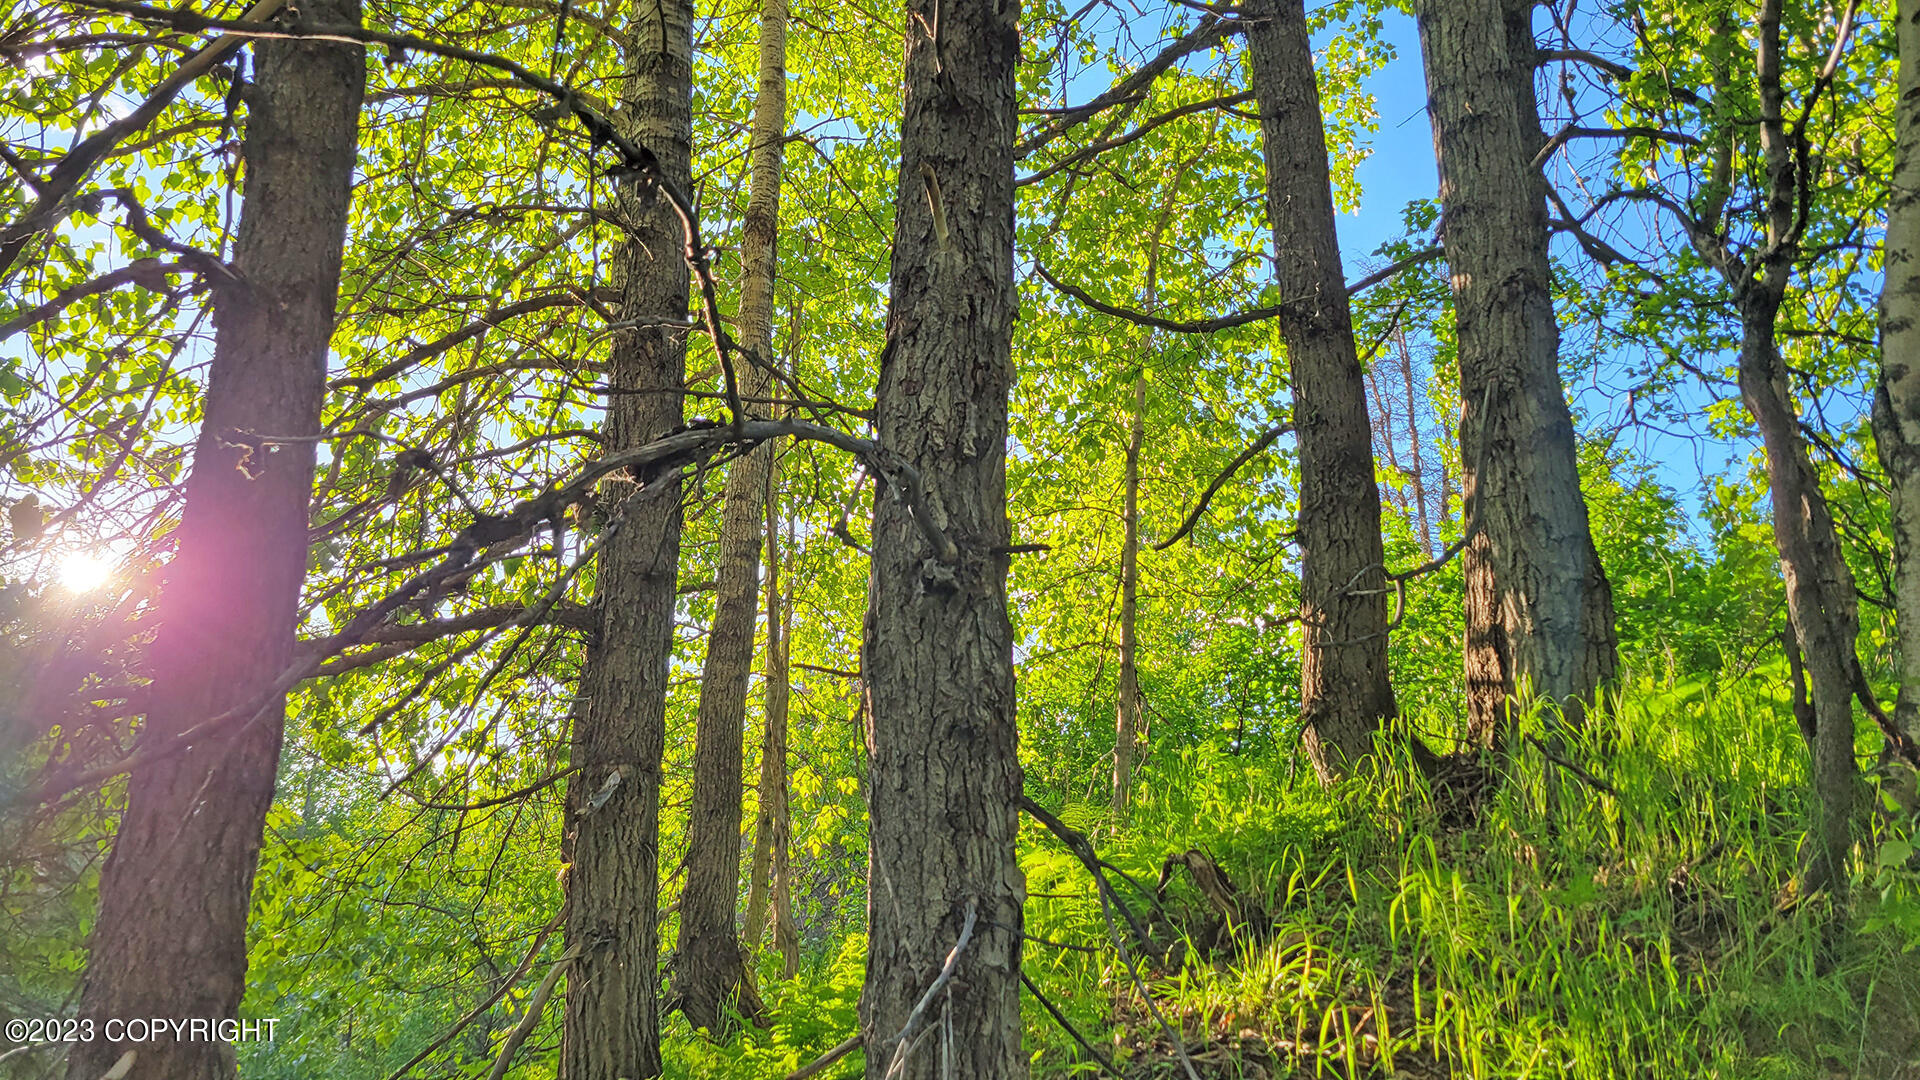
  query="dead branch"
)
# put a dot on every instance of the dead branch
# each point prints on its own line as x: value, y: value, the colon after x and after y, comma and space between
x: 531, y: 1017
x: 526, y: 964
x: 903, y: 1043
x: 1060, y: 1018
x: 824, y: 1061
x: 1584, y: 776
x: 1082, y: 848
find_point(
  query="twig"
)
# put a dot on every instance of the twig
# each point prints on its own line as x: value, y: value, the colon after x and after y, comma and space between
x: 905, y: 1041
x: 1146, y: 995
x: 1099, y: 1059
x: 74, y: 168
x: 1265, y: 440
x: 1205, y: 36
x: 1225, y: 322
x: 1591, y: 780
x: 824, y: 1061
x: 1078, y: 843
x: 1102, y: 145
x: 1024, y: 936
x: 1082, y: 848
x: 511, y: 796
x: 526, y: 964
x: 531, y: 1017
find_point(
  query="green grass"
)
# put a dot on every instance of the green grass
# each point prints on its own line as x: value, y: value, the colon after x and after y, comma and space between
x: 1633, y: 933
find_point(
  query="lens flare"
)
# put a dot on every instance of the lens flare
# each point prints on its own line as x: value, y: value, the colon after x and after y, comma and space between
x: 84, y: 571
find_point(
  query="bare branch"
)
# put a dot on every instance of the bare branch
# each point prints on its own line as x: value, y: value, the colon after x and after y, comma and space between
x: 1253, y: 449
x: 493, y: 318
x: 903, y: 1042
x: 825, y: 1061
x: 1102, y: 145
x: 1206, y: 35
x: 1225, y: 322
x: 526, y: 964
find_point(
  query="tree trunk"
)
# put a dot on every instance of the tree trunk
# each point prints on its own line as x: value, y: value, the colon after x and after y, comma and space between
x: 770, y: 883
x: 1896, y: 406
x: 1345, y: 697
x: 710, y: 971
x: 1538, y: 612
x: 1413, y: 440
x: 1126, y: 720
x: 944, y: 771
x: 170, y: 940
x: 612, y: 1027
x: 1822, y: 606
x: 1129, y: 719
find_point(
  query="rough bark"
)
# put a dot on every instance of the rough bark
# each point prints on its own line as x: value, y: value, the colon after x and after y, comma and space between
x: 171, y: 936
x: 612, y: 1026
x: 1599, y: 660
x: 1538, y: 612
x: 710, y: 970
x: 1896, y: 407
x: 944, y: 769
x: 1345, y: 696
x: 1126, y: 708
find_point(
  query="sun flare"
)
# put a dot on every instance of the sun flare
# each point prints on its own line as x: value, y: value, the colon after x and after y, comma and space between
x: 84, y: 571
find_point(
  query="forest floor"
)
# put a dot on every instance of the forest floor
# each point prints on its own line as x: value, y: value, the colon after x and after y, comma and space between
x: 1644, y: 928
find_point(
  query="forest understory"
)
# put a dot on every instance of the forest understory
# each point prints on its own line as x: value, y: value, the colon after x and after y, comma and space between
x: 960, y: 540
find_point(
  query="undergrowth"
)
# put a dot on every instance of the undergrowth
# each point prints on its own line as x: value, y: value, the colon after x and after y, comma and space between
x: 1634, y: 922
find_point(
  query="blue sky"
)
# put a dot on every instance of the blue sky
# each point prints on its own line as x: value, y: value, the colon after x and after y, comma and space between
x: 1401, y: 168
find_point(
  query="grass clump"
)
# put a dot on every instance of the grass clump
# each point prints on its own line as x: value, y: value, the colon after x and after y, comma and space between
x: 1634, y: 923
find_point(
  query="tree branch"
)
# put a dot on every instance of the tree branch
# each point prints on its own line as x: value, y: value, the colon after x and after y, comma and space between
x: 1206, y: 35
x: 78, y: 163
x: 1224, y: 322
x: 150, y: 273
x: 1253, y: 449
